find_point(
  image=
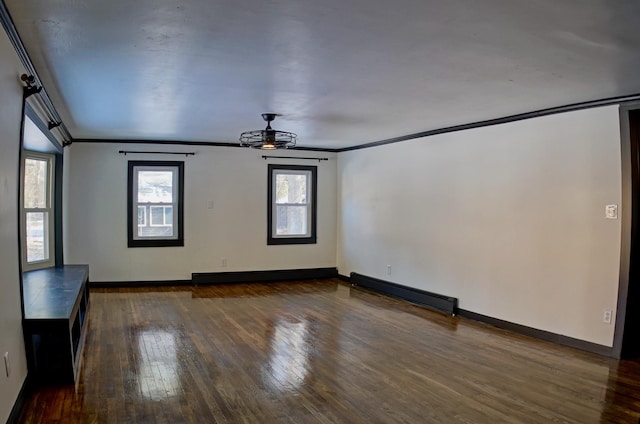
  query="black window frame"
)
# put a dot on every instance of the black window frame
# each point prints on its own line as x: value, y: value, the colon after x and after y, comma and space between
x: 155, y: 242
x: 312, y: 238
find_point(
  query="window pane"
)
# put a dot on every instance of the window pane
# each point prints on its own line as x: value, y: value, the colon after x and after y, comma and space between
x: 159, y: 227
x: 291, y: 220
x: 37, y: 236
x: 155, y: 187
x: 156, y: 231
x: 291, y: 188
x: 157, y: 215
x: 168, y: 215
x: 35, y: 183
x: 142, y: 216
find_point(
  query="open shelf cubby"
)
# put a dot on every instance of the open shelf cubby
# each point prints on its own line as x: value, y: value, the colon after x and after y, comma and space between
x: 56, y: 306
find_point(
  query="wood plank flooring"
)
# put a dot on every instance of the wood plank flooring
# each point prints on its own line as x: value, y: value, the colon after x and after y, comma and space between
x: 321, y: 352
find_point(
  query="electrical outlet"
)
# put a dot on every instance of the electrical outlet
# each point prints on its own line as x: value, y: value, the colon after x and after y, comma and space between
x: 7, y: 364
x: 606, y: 316
x: 224, y: 262
x: 388, y: 269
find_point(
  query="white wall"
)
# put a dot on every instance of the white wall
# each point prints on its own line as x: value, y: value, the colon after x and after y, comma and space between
x: 11, y: 339
x: 235, y: 179
x: 509, y: 219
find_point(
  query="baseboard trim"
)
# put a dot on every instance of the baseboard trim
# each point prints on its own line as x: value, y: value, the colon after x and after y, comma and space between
x: 538, y: 334
x: 18, y: 406
x: 262, y: 276
x: 132, y: 284
x: 436, y: 301
x: 344, y: 278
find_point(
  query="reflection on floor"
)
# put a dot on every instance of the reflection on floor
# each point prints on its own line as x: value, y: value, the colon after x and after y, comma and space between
x: 289, y: 355
x: 158, y: 362
x: 321, y: 351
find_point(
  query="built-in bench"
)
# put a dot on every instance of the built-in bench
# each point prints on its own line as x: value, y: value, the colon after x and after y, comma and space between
x: 56, y: 306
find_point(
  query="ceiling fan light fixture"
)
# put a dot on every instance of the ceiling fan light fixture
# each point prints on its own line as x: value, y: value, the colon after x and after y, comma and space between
x: 268, y: 139
x: 268, y: 145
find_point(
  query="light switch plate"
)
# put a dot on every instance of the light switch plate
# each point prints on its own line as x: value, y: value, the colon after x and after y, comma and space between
x: 611, y: 211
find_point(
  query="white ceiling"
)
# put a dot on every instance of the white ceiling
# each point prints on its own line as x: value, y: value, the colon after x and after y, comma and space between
x: 341, y: 72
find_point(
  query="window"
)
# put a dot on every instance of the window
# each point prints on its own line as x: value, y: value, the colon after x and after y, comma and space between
x: 38, y: 237
x: 155, y: 203
x: 292, y: 204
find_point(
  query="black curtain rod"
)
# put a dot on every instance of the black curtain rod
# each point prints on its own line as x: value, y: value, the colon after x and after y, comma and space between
x: 292, y: 157
x: 14, y: 38
x: 126, y: 152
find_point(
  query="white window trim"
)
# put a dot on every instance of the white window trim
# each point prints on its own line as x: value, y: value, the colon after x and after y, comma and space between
x: 49, y: 209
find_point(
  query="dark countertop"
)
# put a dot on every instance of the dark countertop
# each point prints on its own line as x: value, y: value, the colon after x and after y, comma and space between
x: 51, y: 293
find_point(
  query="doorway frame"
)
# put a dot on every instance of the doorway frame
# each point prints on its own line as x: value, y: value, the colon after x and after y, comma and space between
x: 627, y: 224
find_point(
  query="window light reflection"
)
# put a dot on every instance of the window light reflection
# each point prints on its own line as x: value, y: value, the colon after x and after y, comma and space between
x: 158, y: 365
x: 289, y: 361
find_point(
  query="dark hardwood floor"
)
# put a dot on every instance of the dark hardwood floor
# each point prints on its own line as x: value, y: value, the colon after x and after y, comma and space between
x: 321, y: 352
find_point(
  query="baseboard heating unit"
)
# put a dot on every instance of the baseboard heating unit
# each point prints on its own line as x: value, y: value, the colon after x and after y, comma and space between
x: 436, y: 301
x: 262, y: 276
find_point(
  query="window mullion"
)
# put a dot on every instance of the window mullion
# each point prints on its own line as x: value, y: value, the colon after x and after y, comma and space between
x: 292, y: 204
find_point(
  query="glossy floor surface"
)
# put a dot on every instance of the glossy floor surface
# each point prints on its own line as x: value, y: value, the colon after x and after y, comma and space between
x: 321, y: 352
